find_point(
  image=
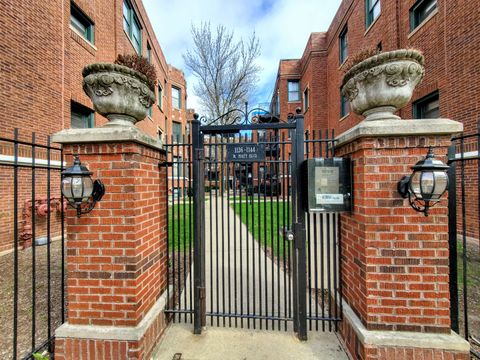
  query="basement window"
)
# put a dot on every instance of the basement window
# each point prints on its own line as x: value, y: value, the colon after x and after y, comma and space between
x: 427, y: 107
x: 81, y: 23
x: 420, y: 12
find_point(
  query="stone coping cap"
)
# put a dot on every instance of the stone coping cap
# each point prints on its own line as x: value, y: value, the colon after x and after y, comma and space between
x: 388, y: 128
x: 107, y: 134
x: 407, y: 339
x: 120, y: 333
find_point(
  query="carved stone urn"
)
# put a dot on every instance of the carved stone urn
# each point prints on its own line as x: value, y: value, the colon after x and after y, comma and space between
x: 380, y: 85
x: 121, y: 94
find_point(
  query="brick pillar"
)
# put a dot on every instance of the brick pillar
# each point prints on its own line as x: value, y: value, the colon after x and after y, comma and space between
x: 116, y: 254
x: 395, y: 260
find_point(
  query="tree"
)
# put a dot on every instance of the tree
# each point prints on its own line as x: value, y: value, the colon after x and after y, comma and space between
x: 226, y: 70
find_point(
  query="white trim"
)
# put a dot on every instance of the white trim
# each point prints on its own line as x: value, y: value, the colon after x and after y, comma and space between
x: 10, y: 160
x: 121, y: 333
x: 408, y: 339
x: 467, y: 155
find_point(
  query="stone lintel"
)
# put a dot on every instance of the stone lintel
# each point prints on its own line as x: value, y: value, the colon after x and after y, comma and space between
x: 406, y: 339
x: 388, y: 128
x: 106, y: 134
x: 119, y: 333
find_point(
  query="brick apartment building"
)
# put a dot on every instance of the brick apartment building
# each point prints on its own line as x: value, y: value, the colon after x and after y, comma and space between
x: 45, y: 45
x: 448, y: 34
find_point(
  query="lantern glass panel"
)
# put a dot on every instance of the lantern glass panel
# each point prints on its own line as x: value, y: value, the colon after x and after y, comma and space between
x: 67, y: 188
x: 441, y: 182
x: 415, y: 184
x: 427, y: 184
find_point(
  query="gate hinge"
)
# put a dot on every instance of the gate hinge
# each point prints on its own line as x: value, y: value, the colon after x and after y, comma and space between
x: 199, y: 154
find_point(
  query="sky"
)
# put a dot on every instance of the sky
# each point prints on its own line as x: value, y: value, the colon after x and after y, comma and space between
x: 282, y: 27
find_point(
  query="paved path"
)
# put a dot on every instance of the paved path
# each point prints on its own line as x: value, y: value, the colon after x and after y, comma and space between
x: 241, y: 344
x: 227, y: 293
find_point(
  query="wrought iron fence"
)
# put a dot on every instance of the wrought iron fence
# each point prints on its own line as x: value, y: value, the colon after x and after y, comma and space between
x: 464, y: 237
x: 32, y: 295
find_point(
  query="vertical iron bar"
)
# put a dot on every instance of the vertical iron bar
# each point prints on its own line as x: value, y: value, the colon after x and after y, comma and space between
x: 452, y: 238
x: 34, y: 247
x: 216, y: 232
x: 222, y: 185
x: 168, y: 228
x: 210, y: 163
x: 190, y: 221
x: 294, y: 220
x: 464, y: 233
x: 284, y: 225
x: 309, y: 243
x: 264, y: 187
x: 62, y: 214
x: 198, y: 204
x: 247, y: 231
x: 184, y: 208
x: 322, y: 238
x: 241, y: 238
x: 315, y: 243
x: 49, y: 250
x: 277, y: 215
x: 272, y: 230
x: 15, y: 242
x: 228, y: 243
x: 300, y: 231
x: 259, y: 241
x: 252, y: 189
x: 235, y: 236
x: 179, y: 218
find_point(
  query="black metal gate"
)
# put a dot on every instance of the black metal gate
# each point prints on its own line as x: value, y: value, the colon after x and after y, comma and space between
x: 464, y: 237
x: 257, y: 259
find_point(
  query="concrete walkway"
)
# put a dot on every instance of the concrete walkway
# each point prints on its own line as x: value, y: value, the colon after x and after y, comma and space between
x: 241, y: 344
x: 242, y: 279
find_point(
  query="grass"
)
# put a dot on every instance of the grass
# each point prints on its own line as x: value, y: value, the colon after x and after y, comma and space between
x: 179, y: 227
x: 273, y: 217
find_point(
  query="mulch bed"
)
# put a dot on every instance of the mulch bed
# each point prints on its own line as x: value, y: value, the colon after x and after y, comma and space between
x: 25, y: 307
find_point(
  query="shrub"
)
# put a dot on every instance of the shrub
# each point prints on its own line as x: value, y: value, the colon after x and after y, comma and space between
x: 140, y: 64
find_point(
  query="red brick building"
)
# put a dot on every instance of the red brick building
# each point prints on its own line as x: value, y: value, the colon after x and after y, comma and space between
x: 44, y: 47
x: 448, y: 34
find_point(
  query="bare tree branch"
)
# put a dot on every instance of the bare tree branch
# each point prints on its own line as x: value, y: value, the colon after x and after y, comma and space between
x: 226, y: 70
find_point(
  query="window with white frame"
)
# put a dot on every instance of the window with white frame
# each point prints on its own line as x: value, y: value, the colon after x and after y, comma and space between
x: 372, y: 8
x: 293, y: 90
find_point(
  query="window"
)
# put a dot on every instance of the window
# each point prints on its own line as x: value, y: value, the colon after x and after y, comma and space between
x: 177, y: 166
x: 305, y: 100
x: 277, y: 105
x: 372, y: 8
x: 176, y: 100
x: 81, y: 117
x: 160, y: 97
x: 420, y: 11
x: 81, y: 23
x: 131, y: 25
x: 149, y: 112
x: 149, y: 53
x: 343, y: 45
x: 176, y: 132
x: 344, y: 106
x: 427, y: 107
x: 293, y: 90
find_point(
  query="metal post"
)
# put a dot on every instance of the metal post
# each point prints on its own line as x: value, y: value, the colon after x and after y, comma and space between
x: 452, y: 238
x: 199, y: 227
x: 300, y: 231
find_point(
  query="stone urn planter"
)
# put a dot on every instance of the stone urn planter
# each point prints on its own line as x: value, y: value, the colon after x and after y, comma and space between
x: 121, y: 94
x: 384, y: 83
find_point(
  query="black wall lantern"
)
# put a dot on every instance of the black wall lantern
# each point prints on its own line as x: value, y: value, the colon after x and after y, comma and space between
x: 81, y: 192
x: 426, y: 185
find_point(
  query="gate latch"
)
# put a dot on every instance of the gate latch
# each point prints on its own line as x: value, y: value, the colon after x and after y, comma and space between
x: 290, y: 235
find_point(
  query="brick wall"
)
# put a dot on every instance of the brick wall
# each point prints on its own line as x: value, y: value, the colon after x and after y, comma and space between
x: 41, y: 75
x: 118, y: 252
x: 449, y: 41
x: 395, y: 261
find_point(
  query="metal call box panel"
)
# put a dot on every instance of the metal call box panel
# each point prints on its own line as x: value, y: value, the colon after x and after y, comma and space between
x: 329, y: 184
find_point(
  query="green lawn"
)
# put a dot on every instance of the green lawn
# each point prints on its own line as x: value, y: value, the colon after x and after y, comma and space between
x: 266, y: 228
x: 179, y: 227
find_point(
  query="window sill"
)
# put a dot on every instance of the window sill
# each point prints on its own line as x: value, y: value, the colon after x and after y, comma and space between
x: 343, y: 63
x: 422, y: 24
x: 79, y: 38
x: 371, y: 25
x: 344, y: 117
x: 294, y: 101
